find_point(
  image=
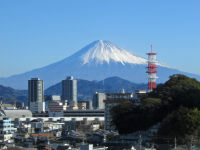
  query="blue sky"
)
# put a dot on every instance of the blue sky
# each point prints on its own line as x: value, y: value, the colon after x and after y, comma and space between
x: 35, y: 33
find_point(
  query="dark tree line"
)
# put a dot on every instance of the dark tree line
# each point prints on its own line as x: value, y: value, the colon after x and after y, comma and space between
x: 175, y: 105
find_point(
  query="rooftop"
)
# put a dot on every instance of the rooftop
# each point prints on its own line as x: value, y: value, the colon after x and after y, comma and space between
x: 16, y: 113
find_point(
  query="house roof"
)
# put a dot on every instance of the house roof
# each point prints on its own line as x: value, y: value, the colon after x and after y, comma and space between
x: 49, y: 135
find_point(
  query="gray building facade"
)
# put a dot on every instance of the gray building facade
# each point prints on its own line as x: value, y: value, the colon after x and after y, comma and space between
x: 36, y: 95
x: 98, y: 100
x: 69, y: 91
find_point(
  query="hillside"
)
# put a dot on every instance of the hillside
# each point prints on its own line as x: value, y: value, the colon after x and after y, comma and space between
x: 10, y: 95
x: 175, y: 105
x: 86, y: 88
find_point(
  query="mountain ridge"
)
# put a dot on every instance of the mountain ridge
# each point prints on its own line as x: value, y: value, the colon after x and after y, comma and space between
x: 86, y: 89
x: 10, y: 95
x: 92, y: 69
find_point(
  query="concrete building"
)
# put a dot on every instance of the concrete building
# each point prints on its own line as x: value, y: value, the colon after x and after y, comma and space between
x: 69, y: 91
x: 67, y: 113
x: 88, y: 104
x: 55, y: 98
x: 98, y: 99
x: 114, y: 99
x: 84, y: 113
x: 114, y: 96
x: 7, y: 106
x: 86, y: 147
x: 6, y: 129
x: 91, y: 147
x: 36, y: 95
x: 140, y: 94
x: 16, y: 113
x: 56, y: 108
x: 82, y: 105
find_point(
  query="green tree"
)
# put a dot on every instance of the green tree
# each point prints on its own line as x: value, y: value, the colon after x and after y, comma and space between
x: 164, y: 103
x: 151, y: 102
x: 181, y: 123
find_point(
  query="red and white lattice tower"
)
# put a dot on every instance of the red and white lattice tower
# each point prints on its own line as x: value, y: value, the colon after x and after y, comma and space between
x: 152, y: 70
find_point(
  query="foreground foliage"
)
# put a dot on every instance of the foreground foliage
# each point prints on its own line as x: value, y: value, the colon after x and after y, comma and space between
x: 174, y: 104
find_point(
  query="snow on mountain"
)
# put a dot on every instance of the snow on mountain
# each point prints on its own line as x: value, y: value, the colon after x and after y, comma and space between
x: 105, y: 51
x: 96, y: 61
x: 102, y: 51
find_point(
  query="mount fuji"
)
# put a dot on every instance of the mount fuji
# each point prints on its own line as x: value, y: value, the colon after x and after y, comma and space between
x: 96, y: 61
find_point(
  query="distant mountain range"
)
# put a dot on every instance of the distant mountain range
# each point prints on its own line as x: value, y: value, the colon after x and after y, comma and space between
x: 96, y: 61
x: 86, y: 89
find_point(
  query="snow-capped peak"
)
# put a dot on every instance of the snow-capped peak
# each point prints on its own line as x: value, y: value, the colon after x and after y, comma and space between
x: 104, y: 51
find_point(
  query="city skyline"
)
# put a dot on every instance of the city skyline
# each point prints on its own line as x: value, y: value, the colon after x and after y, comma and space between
x: 56, y: 30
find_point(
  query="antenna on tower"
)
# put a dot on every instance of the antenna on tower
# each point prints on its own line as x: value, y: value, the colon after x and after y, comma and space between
x: 152, y: 70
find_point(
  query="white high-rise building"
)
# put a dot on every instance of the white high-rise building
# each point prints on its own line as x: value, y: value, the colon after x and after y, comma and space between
x: 69, y: 91
x: 36, y: 95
